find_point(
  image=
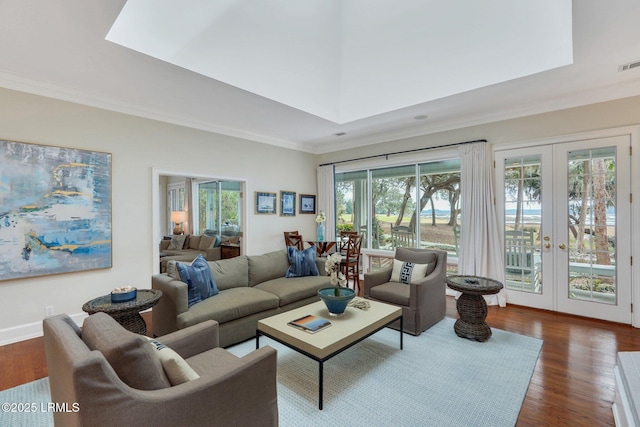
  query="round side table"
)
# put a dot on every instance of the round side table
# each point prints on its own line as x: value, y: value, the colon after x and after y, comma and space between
x: 126, y: 313
x: 471, y: 305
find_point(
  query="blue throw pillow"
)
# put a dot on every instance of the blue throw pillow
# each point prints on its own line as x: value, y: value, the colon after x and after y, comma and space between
x: 303, y: 263
x: 199, y: 279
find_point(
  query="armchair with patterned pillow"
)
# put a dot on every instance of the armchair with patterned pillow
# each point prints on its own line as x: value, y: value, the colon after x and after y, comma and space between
x: 415, y: 283
x: 117, y: 378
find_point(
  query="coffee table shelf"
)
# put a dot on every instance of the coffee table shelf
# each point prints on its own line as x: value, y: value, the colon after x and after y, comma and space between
x: 347, y: 330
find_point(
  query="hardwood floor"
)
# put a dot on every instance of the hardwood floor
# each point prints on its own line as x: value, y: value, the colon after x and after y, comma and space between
x: 572, y: 383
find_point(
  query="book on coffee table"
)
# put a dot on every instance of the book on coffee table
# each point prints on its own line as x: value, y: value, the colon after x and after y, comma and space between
x: 310, y: 323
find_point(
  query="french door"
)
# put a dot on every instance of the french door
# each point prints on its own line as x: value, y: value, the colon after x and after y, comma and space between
x: 566, y: 214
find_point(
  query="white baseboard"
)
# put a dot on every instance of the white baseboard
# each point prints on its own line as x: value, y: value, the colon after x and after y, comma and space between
x: 30, y: 330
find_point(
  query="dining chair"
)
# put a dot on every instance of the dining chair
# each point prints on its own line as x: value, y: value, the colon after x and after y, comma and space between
x: 293, y: 238
x: 344, y: 240
x: 350, y: 263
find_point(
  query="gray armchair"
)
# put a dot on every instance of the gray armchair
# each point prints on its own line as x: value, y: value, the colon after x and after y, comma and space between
x: 424, y: 301
x: 229, y: 391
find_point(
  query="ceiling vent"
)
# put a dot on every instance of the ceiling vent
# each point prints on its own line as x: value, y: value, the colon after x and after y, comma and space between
x: 629, y: 66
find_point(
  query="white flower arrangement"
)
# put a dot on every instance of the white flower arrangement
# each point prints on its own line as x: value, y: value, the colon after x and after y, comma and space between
x: 321, y: 217
x: 332, y: 267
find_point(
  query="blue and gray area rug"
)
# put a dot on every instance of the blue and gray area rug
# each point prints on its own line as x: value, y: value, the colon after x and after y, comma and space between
x: 437, y: 380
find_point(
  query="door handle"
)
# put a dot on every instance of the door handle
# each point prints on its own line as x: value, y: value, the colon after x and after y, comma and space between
x: 562, y: 246
x: 547, y: 245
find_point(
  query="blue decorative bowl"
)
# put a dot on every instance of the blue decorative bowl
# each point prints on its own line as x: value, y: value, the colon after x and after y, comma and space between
x: 124, y: 296
x: 336, y: 304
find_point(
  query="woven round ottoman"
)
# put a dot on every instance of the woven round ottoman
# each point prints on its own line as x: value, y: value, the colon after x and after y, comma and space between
x: 471, y: 305
x: 126, y: 313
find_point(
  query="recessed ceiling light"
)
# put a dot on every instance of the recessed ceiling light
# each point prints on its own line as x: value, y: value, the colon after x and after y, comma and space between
x: 421, y: 117
x: 340, y: 134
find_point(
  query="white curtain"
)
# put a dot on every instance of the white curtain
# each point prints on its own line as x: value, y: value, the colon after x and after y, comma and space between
x: 327, y: 200
x: 188, y: 208
x: 481, y: 238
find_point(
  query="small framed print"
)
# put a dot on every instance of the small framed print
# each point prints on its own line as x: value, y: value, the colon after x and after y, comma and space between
x: 287, y: 203
x: 307, y: 204
x: 265, y: 202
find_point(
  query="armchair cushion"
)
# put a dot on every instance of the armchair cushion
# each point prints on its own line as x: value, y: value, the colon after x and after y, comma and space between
x: 129, y: 354
x: 418, y: 256
x: 198, y: 277
x: 303, y: 263
x: 408, y: 272
x: 392, y: 292
x: 175, y: 367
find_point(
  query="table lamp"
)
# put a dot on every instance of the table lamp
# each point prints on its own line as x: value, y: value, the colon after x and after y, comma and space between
x: 177, y: 217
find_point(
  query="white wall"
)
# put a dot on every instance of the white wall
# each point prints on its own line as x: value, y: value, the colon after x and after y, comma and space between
x: 138, y: 146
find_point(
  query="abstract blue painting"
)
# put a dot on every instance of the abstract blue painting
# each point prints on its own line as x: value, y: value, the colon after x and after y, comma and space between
x: 55, y: 210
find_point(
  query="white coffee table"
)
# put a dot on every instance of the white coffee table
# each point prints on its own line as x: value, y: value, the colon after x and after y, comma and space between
x: 347, y: 330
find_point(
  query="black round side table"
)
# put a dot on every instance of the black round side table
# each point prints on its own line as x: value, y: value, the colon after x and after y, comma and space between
x: 471, y: 305
x: 126, y: 313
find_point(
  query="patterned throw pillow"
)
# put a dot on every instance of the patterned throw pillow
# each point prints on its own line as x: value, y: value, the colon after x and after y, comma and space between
x: 408, y: 272
x: 302, y: 263
x: 199, y: 280
x: 177, y: 242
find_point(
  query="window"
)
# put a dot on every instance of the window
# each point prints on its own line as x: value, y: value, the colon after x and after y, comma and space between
x: 217, y: 208
x: 175, y: 202
x: 414, y: 205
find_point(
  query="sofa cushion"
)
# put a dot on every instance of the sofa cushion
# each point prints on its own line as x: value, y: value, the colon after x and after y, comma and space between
x: 269, y: 266
x: 230, y: 304
x: 200, y: 282
x: 175, y: 367
x: 193, y: 242
x: 294, y: 289
x: 418, y: 256
x: 129, y: 354
x: 206, y: 242
x: 231, y: 273
x: 408, y: 272
x: 177, y: 242
x: 303, y: 263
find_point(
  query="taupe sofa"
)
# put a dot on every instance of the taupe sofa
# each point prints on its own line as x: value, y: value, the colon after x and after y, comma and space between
x: 108, y: 376
x: 251, y: 288
x: 193, y: 245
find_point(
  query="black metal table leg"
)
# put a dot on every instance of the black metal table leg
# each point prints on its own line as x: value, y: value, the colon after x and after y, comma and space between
x: 401, y: 329
x: 320, y: 383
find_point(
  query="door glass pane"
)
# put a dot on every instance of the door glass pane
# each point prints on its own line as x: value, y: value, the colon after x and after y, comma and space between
x: 592, y: 225
x: 218, y: 208
x: 351, y: 204
x: 393, y: 200
x: 440, y: 206
x: 207, y: 208
x: 523, y: 219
